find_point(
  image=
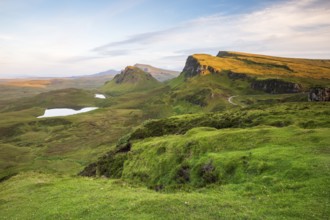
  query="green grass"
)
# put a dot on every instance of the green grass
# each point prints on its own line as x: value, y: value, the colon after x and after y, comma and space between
x: 64, y: 98
x: 132, y: 79
x: 42, y: 196
x: 205, y: 156
x: 267, y: 158
x: 63, y: 144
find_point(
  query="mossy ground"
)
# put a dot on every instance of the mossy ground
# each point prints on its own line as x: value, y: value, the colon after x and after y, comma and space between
x: 43, y: 196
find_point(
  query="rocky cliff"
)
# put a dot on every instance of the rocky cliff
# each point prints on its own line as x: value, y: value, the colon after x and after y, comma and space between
x: 276, y: 86
x: 194, y: 67
x: 319, y: 95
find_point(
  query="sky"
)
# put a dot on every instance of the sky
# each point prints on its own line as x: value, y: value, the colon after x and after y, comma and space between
x: 77, y: 37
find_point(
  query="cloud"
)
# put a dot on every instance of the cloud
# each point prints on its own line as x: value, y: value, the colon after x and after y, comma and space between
x: 66, y: 43
x: 294, y: 28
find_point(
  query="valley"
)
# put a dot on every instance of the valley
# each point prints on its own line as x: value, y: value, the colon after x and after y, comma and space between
x: 233, y: 136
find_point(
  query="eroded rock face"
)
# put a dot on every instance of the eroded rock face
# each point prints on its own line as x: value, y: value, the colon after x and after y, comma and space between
x: 276, y: 86
x: 319, y: 95
x: 233, y: 75
x: 194, y: 68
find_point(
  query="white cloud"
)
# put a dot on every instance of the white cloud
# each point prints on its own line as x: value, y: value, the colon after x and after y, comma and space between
x: 295, y: 28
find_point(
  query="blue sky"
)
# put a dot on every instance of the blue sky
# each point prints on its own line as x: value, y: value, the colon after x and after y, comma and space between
x: 76, y: 37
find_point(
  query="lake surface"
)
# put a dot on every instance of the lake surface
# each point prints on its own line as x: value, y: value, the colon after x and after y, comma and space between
x: 65, y: 112
x: 99, y: 96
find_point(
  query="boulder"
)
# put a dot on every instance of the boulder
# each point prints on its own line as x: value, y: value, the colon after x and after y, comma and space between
x: 319, y: 95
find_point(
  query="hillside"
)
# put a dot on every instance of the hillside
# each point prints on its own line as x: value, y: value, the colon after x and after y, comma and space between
x: 168, y: 149
x: 19, y: 88
x: 159, y: 74
x: 62, y: 98
x: 131, y: 79
x: 207, y: 82
x: 269, y: 161
x: 258, y: 65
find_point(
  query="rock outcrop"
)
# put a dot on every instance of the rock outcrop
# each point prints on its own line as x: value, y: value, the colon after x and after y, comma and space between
x: 276, y: 86
x: 132, y: 75
x: 319, y: 95
x: 233, y: 75
x: 194, y: 68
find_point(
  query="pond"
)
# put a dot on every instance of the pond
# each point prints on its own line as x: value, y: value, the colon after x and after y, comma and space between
x: 65, y: 112
x: 99, y: 96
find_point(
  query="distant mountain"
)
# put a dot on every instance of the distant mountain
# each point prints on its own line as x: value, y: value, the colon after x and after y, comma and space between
x: 129, y: 80
x: 160, y: 74
x: 109, y: 74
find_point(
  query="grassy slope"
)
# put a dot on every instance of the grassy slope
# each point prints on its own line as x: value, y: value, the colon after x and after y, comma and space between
x: 134, y: 80
x: 63, y: 144
x: 64, y: 98
x: 19, y: 88
x: 259, y: 172
x: 210, y: 91
x: 254, y: 191
x: 261, y: 65
x: 40, y: 196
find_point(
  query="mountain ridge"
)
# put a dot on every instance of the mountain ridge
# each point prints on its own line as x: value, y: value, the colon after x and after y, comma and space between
x: 256, y: 65
x: 158, y: 73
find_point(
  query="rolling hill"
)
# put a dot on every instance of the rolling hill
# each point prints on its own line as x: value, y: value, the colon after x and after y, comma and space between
x: 178, y: 149
x: 131, y: 79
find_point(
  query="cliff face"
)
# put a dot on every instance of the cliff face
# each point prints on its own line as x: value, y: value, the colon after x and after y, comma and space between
x: 276, y: 86
x: 319, y: 95
x: 193, y: 68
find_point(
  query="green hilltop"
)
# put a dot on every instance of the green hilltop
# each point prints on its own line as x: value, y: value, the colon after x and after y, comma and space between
x: 132, y: 79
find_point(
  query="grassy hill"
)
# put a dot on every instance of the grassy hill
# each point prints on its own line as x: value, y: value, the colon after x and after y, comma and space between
x: 174, y: 150
x: 261, y: 65
x: 269, y: 162
x: 21, y: 88
x: 207, y: 82
x: 132, y: 79
x: 63, y: 98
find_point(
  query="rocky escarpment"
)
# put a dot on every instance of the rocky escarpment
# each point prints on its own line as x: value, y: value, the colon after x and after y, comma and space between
x: 319, y: 95
x: 224, y: 54
x: 234, y: 76
x: 276, y: 86
x: 193, y: 68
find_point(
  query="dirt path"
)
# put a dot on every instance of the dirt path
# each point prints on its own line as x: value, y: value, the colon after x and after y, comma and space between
x: 231, y: 101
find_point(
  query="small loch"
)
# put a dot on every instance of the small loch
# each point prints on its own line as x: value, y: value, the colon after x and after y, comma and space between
x: 99, y: 96
x: 55, y: 112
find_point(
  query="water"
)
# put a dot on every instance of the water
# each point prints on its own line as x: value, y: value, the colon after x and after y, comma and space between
x: 65, y: 112
x: 99, y: 96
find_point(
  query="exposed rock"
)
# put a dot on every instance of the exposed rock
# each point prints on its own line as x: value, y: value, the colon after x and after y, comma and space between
x: 276, y: 86
x: 224, y: 54
x: 194, y: 68
x: 233, y: 75
x: 319, y: 95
